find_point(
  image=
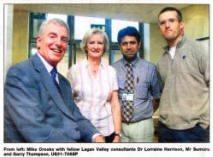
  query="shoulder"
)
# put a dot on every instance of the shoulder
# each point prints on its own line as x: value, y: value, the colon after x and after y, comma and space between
x: 76, y: 67
x: 162, y: 59
x: 110, y: 68
x: 145, y: 63
x: 22, y: 74
x: 195, y: 47
x: 117, y: 63
x: 192, y: 44
x: 20, y: 69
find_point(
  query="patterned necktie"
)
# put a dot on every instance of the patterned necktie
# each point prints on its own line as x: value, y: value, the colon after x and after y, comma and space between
x: 53, y: 77
x: 128, y: 106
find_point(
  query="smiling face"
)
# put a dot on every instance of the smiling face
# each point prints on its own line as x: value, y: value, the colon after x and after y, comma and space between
x: 95, y: 46
x: 170, y: 27
x: 129, y: 47
x: 52, y: 43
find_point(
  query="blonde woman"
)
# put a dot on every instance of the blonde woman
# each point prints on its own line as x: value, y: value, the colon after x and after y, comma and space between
x: 95, y: 88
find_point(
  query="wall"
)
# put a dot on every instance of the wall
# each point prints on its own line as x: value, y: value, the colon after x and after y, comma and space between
x: 20, y: 36
x: 196, y: 19
x: 8, y: 37
x: 156, y: 43
x: 196, y: 25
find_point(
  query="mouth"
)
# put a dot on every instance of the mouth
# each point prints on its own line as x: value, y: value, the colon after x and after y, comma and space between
x: 130, y: 52
x: 56, y: 51
x: 168, y: 31
x: 96, y: 52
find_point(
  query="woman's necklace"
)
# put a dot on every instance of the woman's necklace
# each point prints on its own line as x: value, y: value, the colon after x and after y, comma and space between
x: 95, y: 70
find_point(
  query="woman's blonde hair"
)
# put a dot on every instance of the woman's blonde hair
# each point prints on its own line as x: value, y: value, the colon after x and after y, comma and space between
x: 88, y: 35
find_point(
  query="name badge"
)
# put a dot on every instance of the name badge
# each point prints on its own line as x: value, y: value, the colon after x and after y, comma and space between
x: 127, y: 96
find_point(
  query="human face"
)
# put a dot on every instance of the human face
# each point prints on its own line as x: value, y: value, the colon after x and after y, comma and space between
x: 129, y: 47
x: 95, y: 46
x: 170, y: 27
x: 52, y: 43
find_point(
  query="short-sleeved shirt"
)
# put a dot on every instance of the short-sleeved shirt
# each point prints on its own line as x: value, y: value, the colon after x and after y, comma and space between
x: 93, y: 95
x: 146, y: 85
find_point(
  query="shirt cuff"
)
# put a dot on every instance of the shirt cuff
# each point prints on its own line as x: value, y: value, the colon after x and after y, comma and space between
x: 94, y: 136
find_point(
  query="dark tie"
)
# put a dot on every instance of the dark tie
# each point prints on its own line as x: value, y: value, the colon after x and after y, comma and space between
x: 128, y: 106
x: 53, y: 77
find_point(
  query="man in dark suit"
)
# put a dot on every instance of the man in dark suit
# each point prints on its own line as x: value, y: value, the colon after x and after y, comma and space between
x: 38, y: 100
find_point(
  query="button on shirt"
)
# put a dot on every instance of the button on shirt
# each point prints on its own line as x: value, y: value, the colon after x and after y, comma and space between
x: 146, y: 85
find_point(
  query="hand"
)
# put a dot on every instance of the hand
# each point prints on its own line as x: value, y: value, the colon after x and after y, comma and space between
x: 116, y: 139
x: 99, y: 138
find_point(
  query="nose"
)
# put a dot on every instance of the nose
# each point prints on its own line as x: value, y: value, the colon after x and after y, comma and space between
x: 58, y: 42
x: 96, y: 46
x: 167, y: 24
x: 128, y: 46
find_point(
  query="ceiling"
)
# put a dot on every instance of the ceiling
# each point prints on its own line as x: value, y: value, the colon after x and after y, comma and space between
x: 134, y: 12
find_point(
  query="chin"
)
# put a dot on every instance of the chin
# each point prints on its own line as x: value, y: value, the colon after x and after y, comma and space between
x: 97, y: 56
x: 130, y: 57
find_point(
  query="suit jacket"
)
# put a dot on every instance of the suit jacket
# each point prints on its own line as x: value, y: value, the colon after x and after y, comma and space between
x: 35, y: 111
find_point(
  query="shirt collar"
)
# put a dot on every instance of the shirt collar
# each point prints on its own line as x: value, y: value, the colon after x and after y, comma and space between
x: 179, y: 44
x: 134, y: 62
x: 48, y: 66
x: 86, y: 63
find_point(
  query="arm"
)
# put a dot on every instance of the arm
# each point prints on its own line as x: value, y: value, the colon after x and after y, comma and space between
x: 99, y: 139
x: 116, y: 114
x: 203, y: 62
x: 25, y: 110
x: 88, y: 131
x: 155, y: 90
x: 155, y: 103
x: 161, y: 83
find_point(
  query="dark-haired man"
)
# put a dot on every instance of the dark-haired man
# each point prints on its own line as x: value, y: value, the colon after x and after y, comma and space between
x: 184, y: 75
x: 137, y: 80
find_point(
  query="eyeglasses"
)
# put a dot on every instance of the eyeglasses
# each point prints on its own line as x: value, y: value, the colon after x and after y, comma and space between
x: 170, y: 21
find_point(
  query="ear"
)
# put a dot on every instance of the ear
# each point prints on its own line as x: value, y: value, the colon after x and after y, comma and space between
x: 119, y: 45
x: 159, y: 29
x: 85, y: 48
x: 182, y: 25
x: 139, y: 44
x: 38, y: 42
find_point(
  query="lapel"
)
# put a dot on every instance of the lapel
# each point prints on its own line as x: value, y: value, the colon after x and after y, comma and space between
x: 49, y: 85
x: 65, y: 90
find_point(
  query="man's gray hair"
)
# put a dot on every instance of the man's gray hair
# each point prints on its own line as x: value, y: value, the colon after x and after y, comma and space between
x: 54, y: 20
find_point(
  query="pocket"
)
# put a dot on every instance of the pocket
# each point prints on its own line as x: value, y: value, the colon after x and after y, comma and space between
x: 142, y: 90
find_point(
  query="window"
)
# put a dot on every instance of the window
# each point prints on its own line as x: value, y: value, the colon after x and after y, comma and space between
x: 78, y: 27
x: 59, y: 16
x: 119, y: 24
x: 82, y: 24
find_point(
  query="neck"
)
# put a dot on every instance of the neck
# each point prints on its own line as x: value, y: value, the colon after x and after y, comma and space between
x: 94, y: 65
x: 173, y: 43
x: 94, y: 62
x: 130, y: 59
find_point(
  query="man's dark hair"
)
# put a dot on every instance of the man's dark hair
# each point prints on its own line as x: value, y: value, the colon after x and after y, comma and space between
x: 179, y: 14
x: 128, y: 31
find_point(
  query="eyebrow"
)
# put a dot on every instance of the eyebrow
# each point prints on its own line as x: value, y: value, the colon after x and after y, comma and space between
x: 131, y: 41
